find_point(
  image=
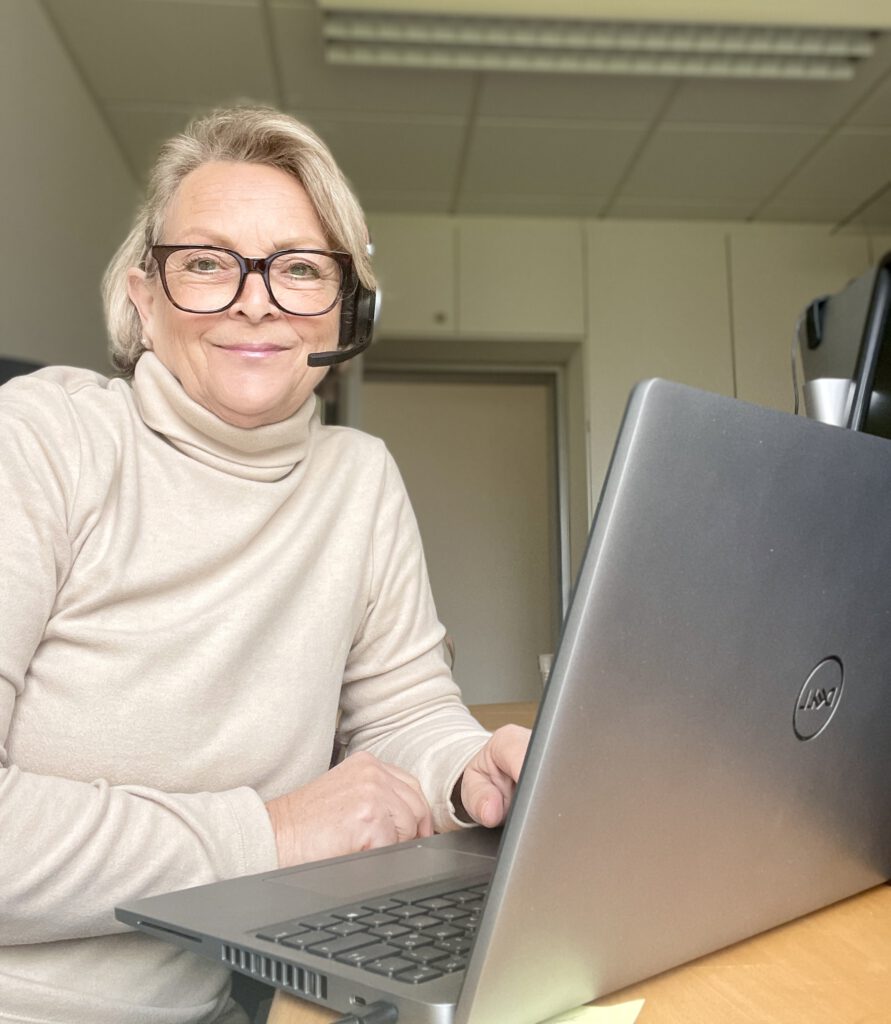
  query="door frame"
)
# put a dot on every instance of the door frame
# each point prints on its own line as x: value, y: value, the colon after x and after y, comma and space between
x: 441, y: 360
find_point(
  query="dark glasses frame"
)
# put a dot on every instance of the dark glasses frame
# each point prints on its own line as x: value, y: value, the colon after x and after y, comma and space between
x: 259, y: 265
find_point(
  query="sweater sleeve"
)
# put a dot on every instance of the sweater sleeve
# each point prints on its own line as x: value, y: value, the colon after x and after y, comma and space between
x: 399, y: 700
x: 72, y: 849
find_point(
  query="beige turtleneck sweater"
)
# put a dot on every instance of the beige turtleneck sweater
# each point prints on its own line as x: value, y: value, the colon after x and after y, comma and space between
x: 184, y: 607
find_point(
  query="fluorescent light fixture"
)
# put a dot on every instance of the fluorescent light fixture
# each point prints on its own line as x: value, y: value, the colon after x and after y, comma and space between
x: 593, y: 47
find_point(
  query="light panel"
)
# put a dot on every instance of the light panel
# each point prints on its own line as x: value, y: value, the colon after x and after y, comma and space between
x: 588, y: 47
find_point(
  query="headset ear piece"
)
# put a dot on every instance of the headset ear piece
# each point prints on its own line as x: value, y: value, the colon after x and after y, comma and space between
x: 356, y: 326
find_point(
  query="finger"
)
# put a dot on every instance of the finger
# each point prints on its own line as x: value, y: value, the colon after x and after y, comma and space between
x: 484, y: 800
x: 490, y: 779
x: 508, y: 749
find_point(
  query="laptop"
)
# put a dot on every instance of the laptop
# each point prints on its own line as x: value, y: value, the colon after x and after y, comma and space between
x: 711, y: 756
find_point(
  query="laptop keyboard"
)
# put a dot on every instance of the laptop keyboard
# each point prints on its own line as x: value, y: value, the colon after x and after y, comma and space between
x: 413, y: 936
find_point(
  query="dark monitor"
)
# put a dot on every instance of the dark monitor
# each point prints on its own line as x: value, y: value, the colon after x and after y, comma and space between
x: 871, y: 398
x: 14, y: 367
x: 845, y: 346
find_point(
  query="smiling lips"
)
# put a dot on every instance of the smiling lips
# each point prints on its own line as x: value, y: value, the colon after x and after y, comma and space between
x: 256, y: 351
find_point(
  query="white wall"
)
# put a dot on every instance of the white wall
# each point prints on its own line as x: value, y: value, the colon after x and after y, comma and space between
x: 66, y: 198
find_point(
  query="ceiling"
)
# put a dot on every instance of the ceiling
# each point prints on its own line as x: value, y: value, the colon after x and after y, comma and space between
x: 497, y: 143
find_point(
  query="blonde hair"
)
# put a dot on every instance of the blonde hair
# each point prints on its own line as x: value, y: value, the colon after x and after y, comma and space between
x: 259, y: 135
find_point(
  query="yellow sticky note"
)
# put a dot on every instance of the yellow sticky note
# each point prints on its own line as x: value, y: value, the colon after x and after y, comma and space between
x: 621, y: 1013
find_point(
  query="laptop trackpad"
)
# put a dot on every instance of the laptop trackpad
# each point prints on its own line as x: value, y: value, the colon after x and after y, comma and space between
x: 391, y: 869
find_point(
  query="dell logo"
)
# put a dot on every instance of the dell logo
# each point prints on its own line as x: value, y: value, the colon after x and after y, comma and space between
x: 815, y: 699
x: 818, y: 699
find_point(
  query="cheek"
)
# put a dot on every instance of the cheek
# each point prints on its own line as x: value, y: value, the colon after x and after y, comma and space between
x: 174, y: 338
x: 320, y: 332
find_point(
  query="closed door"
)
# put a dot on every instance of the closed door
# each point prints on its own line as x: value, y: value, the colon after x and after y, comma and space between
x: 477, y: 455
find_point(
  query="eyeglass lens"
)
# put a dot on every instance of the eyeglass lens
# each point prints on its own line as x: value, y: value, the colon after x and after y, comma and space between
x: 206, y: 280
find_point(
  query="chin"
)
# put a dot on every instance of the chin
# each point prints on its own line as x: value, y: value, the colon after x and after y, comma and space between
x: 254, y: 407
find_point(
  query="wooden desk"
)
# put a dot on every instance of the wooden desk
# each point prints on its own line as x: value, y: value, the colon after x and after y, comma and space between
x: 519, y: 712
x: 832, y: 967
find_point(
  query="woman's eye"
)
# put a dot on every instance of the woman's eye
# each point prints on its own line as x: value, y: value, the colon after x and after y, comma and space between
x: 302, y: 271
x: 203, y: 264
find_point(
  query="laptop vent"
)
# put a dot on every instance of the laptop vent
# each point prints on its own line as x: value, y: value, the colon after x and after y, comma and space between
x: 276, y: 972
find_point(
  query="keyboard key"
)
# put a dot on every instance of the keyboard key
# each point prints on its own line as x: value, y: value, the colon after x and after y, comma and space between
x: 277, y: 932
x: 350, y: 913
x: 360, y: 957
x: 376, y: 920
x: 464, y: 896
x: 331, y: 947
x: 319, y: 921
x: 452, y: 964
x: 345, y: 928
x: 382, y: 905
x: 435, y: 903
x: 459, y: 944
x: 419, y: 973
x: 446, y: 914
x: 426, y: 954
x: 390, y: 931
x: 389, y: 965
x: 407, y: 910
x: 411, y: 940
x: 422, y: 921
x: 442, y: 930
x: 304, y: 939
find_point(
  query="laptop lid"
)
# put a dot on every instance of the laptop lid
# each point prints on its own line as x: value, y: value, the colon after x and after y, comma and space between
x: 712, y: 753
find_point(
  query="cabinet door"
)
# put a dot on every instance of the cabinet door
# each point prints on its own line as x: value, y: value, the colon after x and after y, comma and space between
x: 414, y: 258
x: 520, y: 278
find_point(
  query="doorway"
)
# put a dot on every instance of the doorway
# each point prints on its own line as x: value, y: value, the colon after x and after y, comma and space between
x: 479, y: 455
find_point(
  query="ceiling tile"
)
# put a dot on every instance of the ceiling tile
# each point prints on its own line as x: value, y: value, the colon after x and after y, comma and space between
x: 875, y: 111
x: 548, y: 158
x: 852, y: 166
x: 383, y: 155
x: 590, y: 97
x: 805, y: 211
x: 311, y: 83
x: 708, y: 163
x: 737, y: 102
x: 168, y: 52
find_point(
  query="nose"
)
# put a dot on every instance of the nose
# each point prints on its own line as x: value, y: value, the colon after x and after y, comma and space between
x: 254, y: 302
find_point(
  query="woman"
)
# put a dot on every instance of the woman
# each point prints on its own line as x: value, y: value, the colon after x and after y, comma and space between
x: 204, y: 587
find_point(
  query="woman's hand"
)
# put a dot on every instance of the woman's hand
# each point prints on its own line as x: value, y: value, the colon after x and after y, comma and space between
x: 490, y: 778
x: 360, y: 804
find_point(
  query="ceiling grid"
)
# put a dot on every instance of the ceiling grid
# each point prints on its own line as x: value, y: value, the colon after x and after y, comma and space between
x: 518, y: 143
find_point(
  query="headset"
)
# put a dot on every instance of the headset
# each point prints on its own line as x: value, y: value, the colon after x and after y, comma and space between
x: 356, y: 323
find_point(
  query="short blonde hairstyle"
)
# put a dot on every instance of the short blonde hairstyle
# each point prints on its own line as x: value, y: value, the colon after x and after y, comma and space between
x: 258, y: 135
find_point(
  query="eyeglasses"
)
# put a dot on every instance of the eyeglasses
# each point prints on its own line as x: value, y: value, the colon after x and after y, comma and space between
x: 209, y: 278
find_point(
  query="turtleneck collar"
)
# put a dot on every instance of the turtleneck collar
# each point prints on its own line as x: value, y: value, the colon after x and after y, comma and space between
x: 258, y: 453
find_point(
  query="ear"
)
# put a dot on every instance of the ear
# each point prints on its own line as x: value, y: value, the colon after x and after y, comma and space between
x: 142, y: 294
